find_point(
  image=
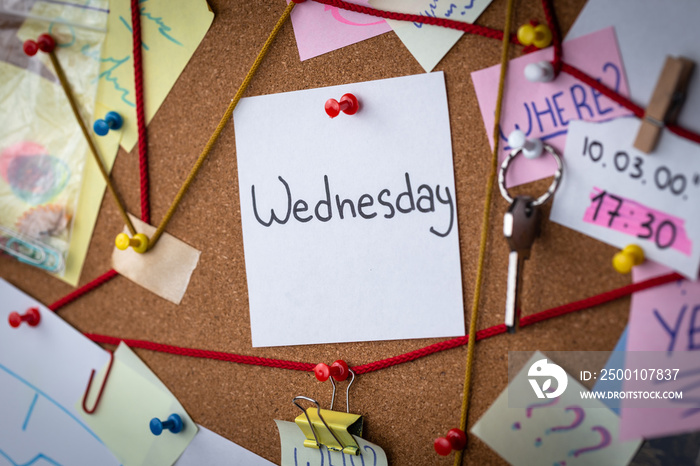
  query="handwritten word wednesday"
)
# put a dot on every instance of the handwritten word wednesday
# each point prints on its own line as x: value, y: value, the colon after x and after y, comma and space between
x: 422, y: 201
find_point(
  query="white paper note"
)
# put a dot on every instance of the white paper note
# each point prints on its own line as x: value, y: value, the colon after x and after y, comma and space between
x: 429, y: 44
x: 294, y: 453
x: 210, y: 449
x: 647, y: 31
x: 353, y: 233
x: 619, y: 195
x: 43, y: 370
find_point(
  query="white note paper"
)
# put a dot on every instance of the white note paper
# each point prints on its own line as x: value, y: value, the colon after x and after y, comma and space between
x: 619, y: 195
x: 385, y: 264
x: 43, y: 370
x: 647, y: 31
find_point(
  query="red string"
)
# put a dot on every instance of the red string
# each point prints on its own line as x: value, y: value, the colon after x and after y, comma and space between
x: 603, y: 89
x: 402, y: 358
x: 557, y: 63
x: 625, y: 102
x: 70, y: 297
x: 140, y: 119
x: 206, y: 354
x: 431, y: 20
x: 422, y: 352
x: 600, y: 298
x: 556, y: 35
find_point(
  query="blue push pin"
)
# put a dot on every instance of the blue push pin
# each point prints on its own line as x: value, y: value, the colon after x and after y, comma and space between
x: 174, y: 424
x: 112, y: 121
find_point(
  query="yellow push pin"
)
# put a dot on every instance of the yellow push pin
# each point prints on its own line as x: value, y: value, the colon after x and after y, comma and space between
x: 624, y: 260
x: 538, y: 35
x: 139, y: 242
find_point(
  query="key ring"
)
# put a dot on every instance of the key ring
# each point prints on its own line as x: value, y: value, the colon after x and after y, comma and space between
x: 552, y: 188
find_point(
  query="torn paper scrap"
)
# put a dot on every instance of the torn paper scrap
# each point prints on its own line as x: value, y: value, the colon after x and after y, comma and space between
x: 164, y: 270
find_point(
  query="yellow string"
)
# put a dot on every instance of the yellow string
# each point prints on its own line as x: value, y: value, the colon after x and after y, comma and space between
x: 224, y: 120
x: 74, y: 106
x: 484, y: 230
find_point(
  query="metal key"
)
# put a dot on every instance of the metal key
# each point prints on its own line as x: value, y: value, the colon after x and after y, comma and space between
x: 520, y: 227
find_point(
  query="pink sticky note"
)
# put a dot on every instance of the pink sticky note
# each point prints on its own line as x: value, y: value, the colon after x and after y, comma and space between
x: 322, y: 28
x: 665, y: 319
x: 638, y: 220
x: 544, y: 110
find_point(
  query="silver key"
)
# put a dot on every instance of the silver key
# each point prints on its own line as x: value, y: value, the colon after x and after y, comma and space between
x: 520, y: 227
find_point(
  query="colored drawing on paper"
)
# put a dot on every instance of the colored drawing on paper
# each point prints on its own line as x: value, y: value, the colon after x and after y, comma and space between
x: 357, y: 18
x: 33, y: 175
x: 30, y: 421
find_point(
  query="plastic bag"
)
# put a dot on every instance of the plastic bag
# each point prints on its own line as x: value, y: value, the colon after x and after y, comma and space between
x: 42, y: 148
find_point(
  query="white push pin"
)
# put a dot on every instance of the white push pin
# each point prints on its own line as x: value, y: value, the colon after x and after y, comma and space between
x: 516, y: 139
x: 540, y: 72
x: 531, y: 148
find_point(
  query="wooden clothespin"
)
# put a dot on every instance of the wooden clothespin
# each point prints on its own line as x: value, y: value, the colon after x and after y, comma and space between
x: 666, y: 102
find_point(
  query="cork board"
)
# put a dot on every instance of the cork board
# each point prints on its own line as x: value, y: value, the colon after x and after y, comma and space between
x: 405, y: 407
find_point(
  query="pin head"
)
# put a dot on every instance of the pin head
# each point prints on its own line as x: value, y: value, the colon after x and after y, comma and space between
x: 30, y: 47
x: 540, y: 72
x: 322, y: 371
x: 32, y: 317
x: 442, y: 446
x: 139, y: 242
x: 339, y: 370
x: 535, y: 34
x: 457, y: 438
x: 46, y: 43
x: 629, y: 257
x: 348, y: 104
x: 112, y: 121
x: 174, y: 424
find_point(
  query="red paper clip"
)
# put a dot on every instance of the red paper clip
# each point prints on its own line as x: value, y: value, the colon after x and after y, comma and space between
x: 102, y: 388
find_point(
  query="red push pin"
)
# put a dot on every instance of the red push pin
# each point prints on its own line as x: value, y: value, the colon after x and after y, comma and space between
x: 31, y: 317
x: 339, y: 370
x: 44, y: 42
x: 348, y: 105
x: 455, y: 439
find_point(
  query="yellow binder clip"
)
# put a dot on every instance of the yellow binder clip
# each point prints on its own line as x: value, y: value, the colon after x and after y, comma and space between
x: 330, y: 428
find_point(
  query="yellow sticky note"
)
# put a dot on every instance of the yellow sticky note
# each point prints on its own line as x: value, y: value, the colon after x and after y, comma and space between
x: 133, y: 396
x: 171, y: 30
x: 89, y: 202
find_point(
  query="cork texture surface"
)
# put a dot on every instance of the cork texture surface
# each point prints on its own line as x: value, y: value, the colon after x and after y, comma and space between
x: 405, y: 407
